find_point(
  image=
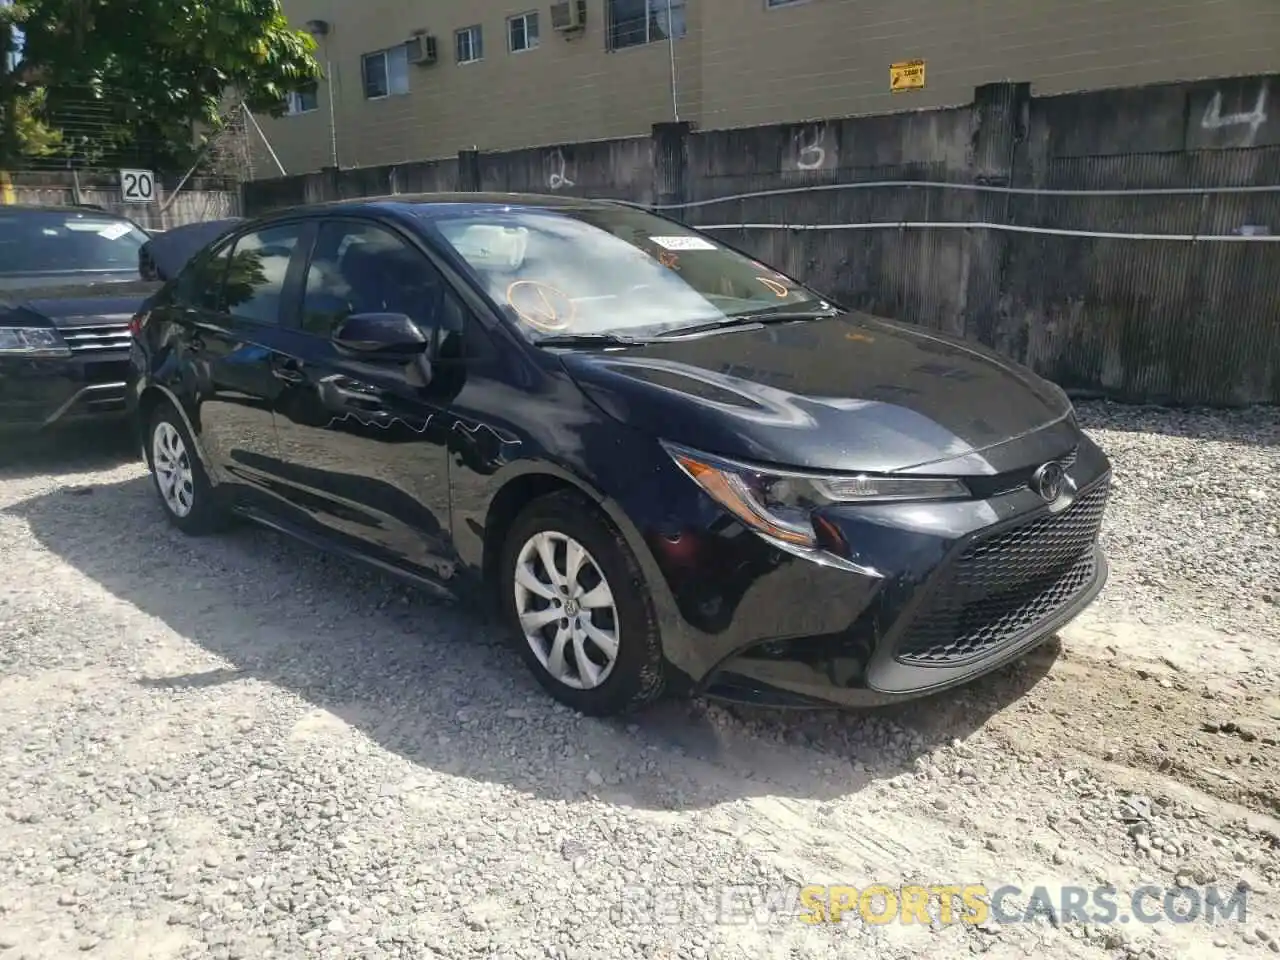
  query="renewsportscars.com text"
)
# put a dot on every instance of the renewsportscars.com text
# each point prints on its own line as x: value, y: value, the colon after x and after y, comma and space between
x: 947, y: 903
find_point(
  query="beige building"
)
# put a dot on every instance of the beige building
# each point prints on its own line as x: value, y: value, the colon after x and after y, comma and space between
x: 413, y: 80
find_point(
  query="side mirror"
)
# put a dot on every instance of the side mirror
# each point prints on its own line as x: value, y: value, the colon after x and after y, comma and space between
x: 380, y: 336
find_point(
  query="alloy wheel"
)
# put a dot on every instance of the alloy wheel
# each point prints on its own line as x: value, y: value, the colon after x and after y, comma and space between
x: 172, y: 465
x: 567, y: 610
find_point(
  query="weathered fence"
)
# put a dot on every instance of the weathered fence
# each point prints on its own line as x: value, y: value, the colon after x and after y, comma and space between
x: 1121, y: 242
x: 198, y: 200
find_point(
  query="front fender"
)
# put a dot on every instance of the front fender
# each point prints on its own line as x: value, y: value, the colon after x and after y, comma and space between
x: 610, y: 483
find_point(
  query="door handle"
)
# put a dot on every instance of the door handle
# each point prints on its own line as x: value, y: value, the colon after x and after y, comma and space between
x: 286, y: 369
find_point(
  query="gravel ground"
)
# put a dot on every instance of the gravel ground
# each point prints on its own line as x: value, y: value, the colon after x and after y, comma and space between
x: 1194, y: 527
x: 235, y: 747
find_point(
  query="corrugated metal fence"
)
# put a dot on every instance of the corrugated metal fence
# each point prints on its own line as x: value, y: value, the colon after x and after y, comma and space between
x: 1119, y: 242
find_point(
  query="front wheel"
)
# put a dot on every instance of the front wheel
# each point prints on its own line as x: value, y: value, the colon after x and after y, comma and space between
x: 180, y: 479
x: 578, y: 606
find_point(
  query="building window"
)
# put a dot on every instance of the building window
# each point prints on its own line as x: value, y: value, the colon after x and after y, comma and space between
x: 470, y: 44
x: 302, y: 101
x: 386, y: 72
x: 633, y: 22
x: 522, y: 32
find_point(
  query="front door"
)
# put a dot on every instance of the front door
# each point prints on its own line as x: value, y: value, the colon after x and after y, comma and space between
x: 365, y: 443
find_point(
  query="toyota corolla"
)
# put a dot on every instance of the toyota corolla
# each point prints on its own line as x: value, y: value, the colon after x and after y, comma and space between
x: 669, y: 467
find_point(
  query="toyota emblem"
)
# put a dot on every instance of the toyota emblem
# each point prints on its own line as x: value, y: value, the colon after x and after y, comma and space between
x: 1049, y: 481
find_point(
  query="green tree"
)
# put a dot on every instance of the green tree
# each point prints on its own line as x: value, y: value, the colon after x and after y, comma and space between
x: 130, y: 81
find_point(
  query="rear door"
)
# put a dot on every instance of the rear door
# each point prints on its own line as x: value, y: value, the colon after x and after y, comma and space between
x: 228, y: 312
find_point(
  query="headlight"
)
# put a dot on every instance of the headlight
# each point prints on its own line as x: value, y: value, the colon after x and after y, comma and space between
x: 781, y: 504
x: 32, y: 342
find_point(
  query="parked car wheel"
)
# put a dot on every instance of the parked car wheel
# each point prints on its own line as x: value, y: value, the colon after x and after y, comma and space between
x: 185, y: 492
x: 579, y: 608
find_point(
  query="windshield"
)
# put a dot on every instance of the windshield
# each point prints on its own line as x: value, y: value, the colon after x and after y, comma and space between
x: 594, y: 270
x: 48, y: 241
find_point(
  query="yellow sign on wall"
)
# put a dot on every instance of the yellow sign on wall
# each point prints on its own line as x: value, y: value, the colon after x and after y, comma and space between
x: 907, y: 75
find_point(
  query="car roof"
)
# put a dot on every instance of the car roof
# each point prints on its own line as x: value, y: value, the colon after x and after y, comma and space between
x: 427, y: 205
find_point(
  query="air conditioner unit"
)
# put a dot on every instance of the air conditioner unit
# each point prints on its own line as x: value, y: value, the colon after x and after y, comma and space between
x: 569, y: 15
x: 421, y: 49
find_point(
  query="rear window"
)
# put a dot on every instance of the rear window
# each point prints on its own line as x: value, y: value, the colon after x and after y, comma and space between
x: 34, y: 242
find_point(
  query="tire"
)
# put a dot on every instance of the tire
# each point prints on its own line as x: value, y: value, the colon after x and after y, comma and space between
x: 636, y: 675
x: 169, y: 442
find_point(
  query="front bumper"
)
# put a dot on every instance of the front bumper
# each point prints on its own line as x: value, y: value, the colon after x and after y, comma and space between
x: 810, y: 683
x: 943, y: 593
x: 38, y: 394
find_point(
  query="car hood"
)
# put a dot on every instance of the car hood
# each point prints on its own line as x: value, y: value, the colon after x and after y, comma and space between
x: 853, y: 392
x: 71, y: 300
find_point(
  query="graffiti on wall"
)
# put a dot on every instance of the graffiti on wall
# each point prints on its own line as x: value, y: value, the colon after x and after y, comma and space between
x: 1249, y: 122
x: 814, y: 148
x: 559, y: 175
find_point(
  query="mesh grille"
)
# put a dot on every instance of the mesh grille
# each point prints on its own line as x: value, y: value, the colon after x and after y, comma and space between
x: 1007, y: 583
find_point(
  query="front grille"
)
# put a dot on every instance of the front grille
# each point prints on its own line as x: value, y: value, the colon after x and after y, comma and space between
x: 98, y: 338
x: 1005, y: 584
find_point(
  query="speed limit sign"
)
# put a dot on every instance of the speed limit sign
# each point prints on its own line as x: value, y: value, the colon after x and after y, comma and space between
x: 137, y: 186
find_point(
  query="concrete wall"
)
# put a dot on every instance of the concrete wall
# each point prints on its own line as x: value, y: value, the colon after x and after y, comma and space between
x: 197, y: 201
x: 1190, y: 320
x: 741, y: 63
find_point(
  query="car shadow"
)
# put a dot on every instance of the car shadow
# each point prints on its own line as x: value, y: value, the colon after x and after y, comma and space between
x: 66, y: 452
x: 436, y: 684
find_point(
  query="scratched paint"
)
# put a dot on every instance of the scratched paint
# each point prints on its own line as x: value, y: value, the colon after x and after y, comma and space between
x: 458, y: 425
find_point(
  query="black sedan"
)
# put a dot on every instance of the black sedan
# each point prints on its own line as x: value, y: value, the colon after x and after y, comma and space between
x: 670, y: 466
x: 69, y: 283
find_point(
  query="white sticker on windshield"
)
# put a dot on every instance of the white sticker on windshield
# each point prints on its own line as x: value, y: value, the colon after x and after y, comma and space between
x: 684, y: 243
x: 115, y: 231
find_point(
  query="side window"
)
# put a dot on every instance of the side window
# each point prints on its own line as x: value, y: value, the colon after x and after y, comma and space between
x: 363, y: 268
x: 199, y: 285
x: 254, y: 285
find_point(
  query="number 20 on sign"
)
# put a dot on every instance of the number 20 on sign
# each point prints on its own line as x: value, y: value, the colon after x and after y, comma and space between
x: 137, y: 186
x: 907, y: 75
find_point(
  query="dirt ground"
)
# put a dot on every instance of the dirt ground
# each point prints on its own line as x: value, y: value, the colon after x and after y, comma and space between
x: 235, y: 747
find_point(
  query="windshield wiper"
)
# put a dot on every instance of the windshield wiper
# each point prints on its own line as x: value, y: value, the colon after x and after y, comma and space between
x: 749, y: 319
x: 589, y: 340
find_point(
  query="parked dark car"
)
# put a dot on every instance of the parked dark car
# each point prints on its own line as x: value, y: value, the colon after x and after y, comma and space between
x: 672, y: 466
x: 69, y: 284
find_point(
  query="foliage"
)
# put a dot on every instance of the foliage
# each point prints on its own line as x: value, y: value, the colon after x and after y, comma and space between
x: 129, y: 81
x: 35, y: 137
